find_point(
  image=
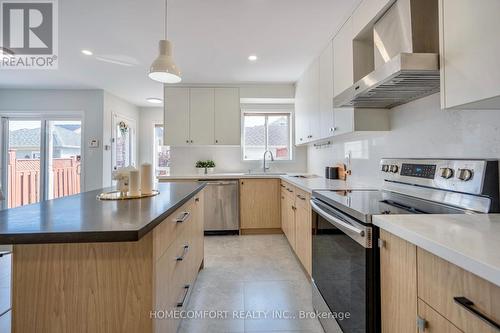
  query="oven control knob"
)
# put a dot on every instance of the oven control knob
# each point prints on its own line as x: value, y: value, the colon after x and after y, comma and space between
x: 447, y: 173
x: 465, y: 174
x: 394, y: 168
x: 385, y: 168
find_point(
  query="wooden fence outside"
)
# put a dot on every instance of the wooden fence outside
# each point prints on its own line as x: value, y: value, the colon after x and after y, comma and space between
x: 24, y: 179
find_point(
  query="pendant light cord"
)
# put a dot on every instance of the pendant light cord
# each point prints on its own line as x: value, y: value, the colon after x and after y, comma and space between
x: 166, y: 17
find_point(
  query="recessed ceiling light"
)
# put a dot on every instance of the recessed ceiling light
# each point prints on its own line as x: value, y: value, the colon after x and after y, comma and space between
x: 154, y: 100
x: 252, y: 57
x: 87, y: 52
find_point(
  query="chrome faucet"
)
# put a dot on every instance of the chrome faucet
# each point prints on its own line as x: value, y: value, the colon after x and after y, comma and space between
x: 272, y: 159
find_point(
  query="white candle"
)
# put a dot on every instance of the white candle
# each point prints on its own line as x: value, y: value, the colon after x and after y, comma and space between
x: 134, y: 183
x: 146, y: 178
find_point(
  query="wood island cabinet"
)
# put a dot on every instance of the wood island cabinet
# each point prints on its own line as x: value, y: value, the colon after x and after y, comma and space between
x: 110, y: 287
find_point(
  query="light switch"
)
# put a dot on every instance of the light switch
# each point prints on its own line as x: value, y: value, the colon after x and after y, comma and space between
x: 93, y: 143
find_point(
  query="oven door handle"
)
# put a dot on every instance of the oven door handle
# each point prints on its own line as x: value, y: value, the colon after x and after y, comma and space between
x: 336, y: 221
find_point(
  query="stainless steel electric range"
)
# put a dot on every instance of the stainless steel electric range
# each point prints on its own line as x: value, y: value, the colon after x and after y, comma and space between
x: 345, y: 266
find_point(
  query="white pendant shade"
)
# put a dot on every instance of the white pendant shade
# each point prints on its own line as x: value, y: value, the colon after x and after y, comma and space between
x: 163, y: 68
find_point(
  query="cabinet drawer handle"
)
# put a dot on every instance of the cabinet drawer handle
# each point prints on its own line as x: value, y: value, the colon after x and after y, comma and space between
x: 289, y: 190
x: 183, y: 217
x: 469, y: 306
x: 185, y: 250
x: 282, y: 185
x: 186, y: 290
x: 196, y: 199
x: 301, y: 197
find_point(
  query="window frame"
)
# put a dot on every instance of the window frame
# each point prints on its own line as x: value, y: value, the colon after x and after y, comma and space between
x: 268, y: 113
x: 157, y: 124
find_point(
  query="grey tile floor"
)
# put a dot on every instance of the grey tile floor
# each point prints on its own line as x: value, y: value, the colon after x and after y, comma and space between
x: 257, y: 280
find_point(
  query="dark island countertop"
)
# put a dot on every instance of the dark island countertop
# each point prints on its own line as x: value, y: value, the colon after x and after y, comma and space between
x: 82, y: 218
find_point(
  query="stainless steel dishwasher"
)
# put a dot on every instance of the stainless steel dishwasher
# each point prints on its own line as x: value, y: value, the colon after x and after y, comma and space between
x: 222, y: 213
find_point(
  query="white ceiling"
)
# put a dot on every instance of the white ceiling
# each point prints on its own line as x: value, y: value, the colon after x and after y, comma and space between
x: 212, y: 40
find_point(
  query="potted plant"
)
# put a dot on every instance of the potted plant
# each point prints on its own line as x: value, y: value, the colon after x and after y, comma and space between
x: 209, y: 166
x: 205, y: 167
x: 200, y: 166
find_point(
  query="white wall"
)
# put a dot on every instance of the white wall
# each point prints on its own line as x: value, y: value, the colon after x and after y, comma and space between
x: 114, y: 104
x: 418, y: 129
x: 87, y: 102
x: 228, y: 159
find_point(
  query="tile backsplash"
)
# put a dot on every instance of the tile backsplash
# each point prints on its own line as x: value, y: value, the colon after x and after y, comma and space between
x: 418, y: 129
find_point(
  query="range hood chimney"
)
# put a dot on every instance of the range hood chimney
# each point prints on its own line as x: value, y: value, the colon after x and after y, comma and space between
x: 406, y: 58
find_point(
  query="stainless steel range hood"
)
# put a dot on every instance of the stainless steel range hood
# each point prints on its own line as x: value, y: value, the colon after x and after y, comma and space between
x: 406, y: 59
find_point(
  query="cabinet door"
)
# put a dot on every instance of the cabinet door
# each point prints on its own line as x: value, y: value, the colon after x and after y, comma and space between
x: 201, y: 117
x: 259, y: 204
x: 398, y: 284
x: 326, y: 92
x: 343, y: 59
x: 283, y: 206
x: 312, y: 101
x: 301, y: 116
x: 227, y: 116
x: 176, y: 116
x: 469, y: 52
x: 434, y: 322
x: 290, y: 221
x: 303, y: 236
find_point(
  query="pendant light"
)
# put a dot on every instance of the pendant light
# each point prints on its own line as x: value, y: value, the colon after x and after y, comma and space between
x: 163, y: 68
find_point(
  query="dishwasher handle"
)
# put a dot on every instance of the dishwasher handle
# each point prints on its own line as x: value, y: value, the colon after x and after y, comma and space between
x: 221, y: 183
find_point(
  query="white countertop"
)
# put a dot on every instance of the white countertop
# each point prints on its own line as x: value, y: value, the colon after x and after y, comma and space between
x: 471, y: 242
x: 309, y: 184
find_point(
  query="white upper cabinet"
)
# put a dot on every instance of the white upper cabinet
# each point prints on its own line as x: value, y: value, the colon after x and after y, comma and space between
x: 307, y: 116
x: 470, y: 44
x: 227, y: 116
x: 301, y: 119
x: 312, y: 100
x: 176, y: 115
x: 343, y: 59
x: 326, y: 117
x: 202, y: 116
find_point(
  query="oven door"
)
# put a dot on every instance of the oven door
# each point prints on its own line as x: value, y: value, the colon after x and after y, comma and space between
x: 344, y: 270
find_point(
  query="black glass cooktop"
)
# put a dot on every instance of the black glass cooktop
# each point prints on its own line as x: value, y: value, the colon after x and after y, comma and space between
x: 362, y: 204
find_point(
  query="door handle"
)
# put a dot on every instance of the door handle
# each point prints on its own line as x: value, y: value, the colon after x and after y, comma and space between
x: 469, y: 306
x: 335, y: 221
x: 180, y: 304
x: 183, y: 217
x: 185, y: 250
x: 301, y: 197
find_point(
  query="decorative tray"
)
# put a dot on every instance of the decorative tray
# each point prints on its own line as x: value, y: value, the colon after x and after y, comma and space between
x: 117, y: 195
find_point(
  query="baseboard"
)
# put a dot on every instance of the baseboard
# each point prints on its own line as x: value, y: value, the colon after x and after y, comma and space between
x: 261, y: 231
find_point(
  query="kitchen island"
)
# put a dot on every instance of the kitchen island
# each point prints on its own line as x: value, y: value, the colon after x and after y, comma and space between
x: 84, y: 265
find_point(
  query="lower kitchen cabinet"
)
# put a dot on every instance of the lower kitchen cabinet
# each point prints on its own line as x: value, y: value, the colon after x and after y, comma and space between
x: 296, y: 222
x: 432, y: 321
x: 446, y: 298
x: 303, y: 238
x: 439, y: 285
x: 398, y: 284
x: 260, y: 205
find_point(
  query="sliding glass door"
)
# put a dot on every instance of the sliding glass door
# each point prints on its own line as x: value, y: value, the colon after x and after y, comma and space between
x: 40, y: 159
x: 23, y: 162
